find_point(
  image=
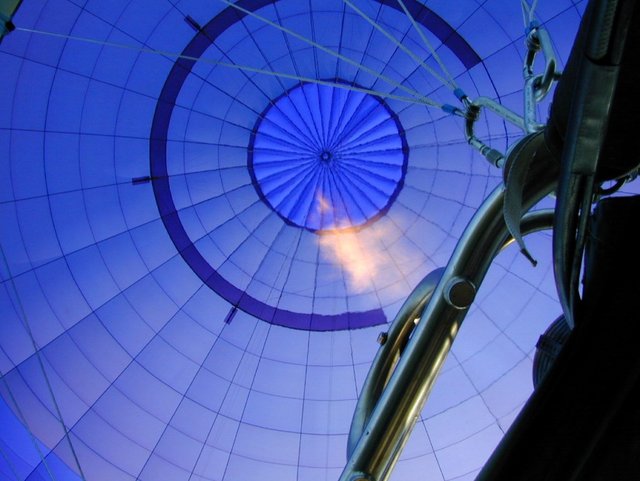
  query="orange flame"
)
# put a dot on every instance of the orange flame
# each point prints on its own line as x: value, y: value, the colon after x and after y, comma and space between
x: 361, y: 261
x: 365, y: 256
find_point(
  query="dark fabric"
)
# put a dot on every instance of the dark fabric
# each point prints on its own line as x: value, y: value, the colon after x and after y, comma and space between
x: 621, y: 131
x: 582, y: 423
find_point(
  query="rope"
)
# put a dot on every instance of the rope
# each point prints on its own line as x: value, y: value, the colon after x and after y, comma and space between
x: 39, y: 357
x: 421, y: 101
x: 322, y: 48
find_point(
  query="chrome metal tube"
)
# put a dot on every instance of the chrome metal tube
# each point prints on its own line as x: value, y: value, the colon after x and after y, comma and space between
x: 393, y: 345
x: 403, y: 398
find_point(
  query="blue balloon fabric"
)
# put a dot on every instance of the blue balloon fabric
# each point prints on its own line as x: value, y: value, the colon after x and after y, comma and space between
x: 209, y: 210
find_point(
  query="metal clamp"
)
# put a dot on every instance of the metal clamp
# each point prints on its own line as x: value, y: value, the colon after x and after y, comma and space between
x: 536, y: 88
x: 471, y: 116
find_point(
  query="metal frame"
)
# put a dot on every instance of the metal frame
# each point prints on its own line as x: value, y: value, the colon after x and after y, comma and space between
x: 378, y: 436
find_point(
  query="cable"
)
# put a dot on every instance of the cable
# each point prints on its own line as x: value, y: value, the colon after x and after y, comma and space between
x: 25, y: 322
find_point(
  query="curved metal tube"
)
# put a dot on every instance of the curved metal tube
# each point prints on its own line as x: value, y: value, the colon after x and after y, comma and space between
x: 403, y: 398
x: 395, y: 340
x: 394, y: 344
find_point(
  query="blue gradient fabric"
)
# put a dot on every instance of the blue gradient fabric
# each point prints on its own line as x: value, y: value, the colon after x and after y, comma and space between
x: 209, y: 210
